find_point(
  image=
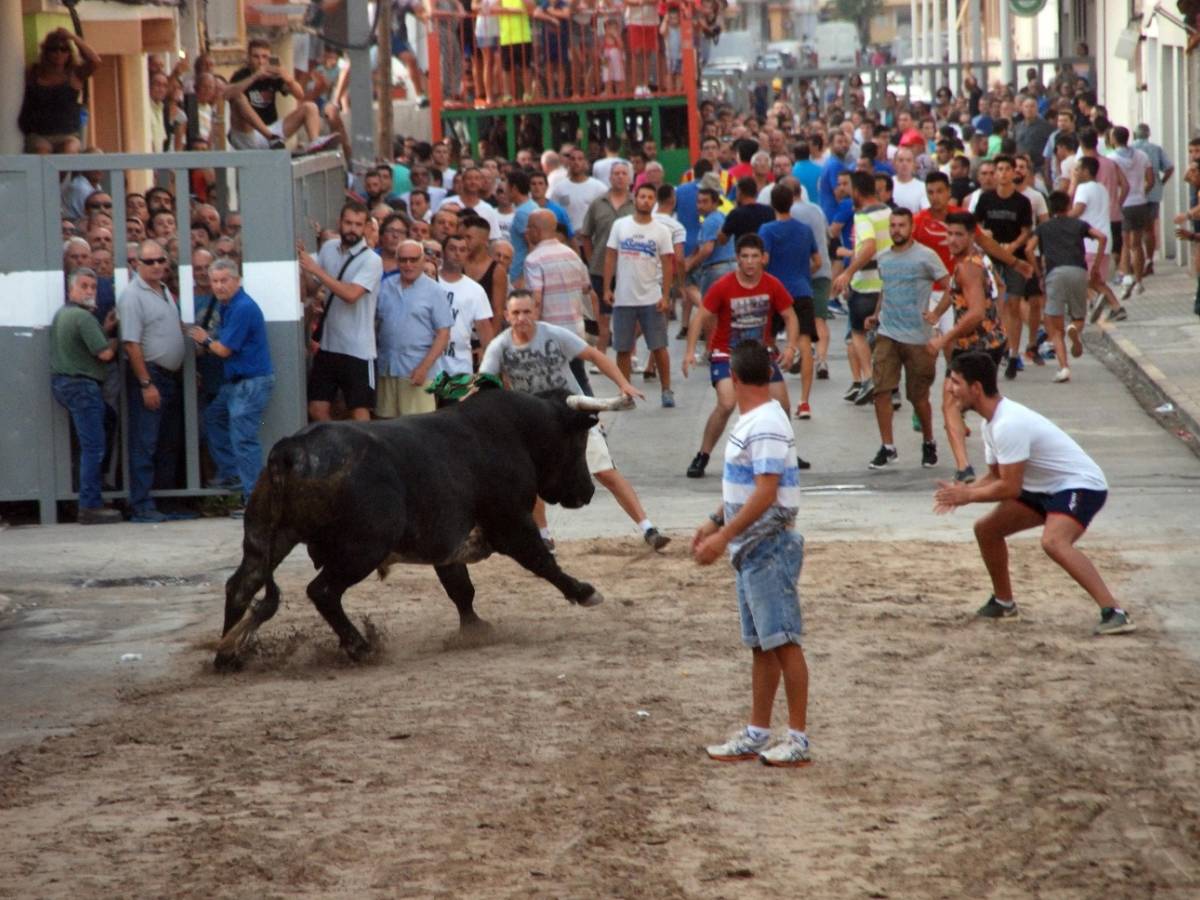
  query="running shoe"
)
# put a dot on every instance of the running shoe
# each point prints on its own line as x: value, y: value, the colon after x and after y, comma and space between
x: 699, y: 464
x: 803, y: 411
x: 965, y: 476
x: 866, y: 393
x: 994, y: 609
x: 682, y: 335
x: 1010, y: 367
x: 1139, y: 288
x: 836, y: 307
x: 1062, y: 376
x: 803, y: 464
x: 794, y: 368
x: 649, y: 374
x: 738, y: 748
x: 1126, y: 287
x: 1076, y: 341
x: 928, y: 454
x: 1034, y: 357
x: 1120, y: 315
x: 852, y: 391
x: 822, y: 371
x: 896, y: 401
x: 655, y: 538
x: 786, y: 754
x: 884, y: 458
x: 1114, y: 622
x: 668, y: 399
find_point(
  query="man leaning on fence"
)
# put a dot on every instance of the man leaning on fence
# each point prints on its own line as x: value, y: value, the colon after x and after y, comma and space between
x: 152, y: 338
x: 80, y: 353
x: 236, y: 415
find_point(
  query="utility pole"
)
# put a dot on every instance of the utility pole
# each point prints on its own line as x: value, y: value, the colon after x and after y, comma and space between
x: 384, y: 80
x: 975, y: 23
x: 362, y: 106
x: 1006, y: 56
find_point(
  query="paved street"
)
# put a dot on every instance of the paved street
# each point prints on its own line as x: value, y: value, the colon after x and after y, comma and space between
x: 64, y: 633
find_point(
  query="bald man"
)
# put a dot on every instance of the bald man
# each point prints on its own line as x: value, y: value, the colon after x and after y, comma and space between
x: 559, y: 283
x: 152, y: 338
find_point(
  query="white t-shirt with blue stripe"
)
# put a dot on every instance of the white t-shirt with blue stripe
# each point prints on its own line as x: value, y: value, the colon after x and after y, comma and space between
x: 761, y: 443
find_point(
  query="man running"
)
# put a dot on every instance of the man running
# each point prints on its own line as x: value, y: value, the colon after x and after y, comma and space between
x: 739, y: 307
x: 535, y: 356
x: 1039, y: 476
x: 972, y: 295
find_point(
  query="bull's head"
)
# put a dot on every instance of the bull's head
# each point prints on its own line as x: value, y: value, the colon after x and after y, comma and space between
x: 565, y: 479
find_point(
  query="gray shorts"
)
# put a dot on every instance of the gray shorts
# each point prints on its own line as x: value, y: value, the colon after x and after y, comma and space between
x: 1066, y: 292
x: 1135, y: 218
x: 768, y: 575
x: 625, y: 320
x: 1015, y: 284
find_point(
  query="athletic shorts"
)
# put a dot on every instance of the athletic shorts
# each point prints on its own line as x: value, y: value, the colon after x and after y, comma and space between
x: 513, y: 55
x: 806, y: 316
x: 1066, y: 292
x: 718, y: 370
x: 252, y: 140
x: 919, y: 365
x: 598, y: 457
x: 642, y: 38
x: 1136, y: 217
x: 1118, y: 240
x: 625, y: 320
x: 333, y: 372
x: 861, y: 306
x: 1015, y: 284
x: 1078, y: 503
x: 768, y: 594
x: 820, y: 297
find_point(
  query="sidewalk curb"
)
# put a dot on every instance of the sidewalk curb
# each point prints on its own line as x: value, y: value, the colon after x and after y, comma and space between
x: 1185, y: 411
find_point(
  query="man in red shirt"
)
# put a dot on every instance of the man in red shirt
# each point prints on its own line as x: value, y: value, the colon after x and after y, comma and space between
x: 738, y: 307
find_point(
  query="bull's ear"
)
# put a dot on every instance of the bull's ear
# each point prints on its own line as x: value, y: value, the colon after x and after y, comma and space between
x: 582, y: 421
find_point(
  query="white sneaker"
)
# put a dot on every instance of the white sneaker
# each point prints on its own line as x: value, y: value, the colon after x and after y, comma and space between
x: 1126, y: 287
x: 1063, y: 374
x: 739, y: 747
x: 787, y: 753
x: 1139, y: 288
x: 1076, y: 342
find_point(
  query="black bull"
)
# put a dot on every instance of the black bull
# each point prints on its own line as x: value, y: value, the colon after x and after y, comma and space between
x: 444, y: 489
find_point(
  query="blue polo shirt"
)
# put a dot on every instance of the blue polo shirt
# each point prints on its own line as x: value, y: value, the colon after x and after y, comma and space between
x: 790, y: 245
x: 688, y: 215
x: 407, y: 320
x: 808, y: 173
x: 829, y: 176
x: 516, y: 237
x: 844, y: 214
x: 710, y: 230
x: 560, y: 216
x: 244, y: 332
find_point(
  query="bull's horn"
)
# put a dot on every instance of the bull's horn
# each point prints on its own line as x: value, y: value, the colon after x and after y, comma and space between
x: 595, y: 404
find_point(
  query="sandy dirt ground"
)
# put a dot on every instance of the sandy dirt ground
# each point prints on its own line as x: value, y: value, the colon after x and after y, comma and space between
x: 953, y: 758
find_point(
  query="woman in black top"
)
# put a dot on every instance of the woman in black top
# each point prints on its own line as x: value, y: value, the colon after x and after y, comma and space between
x: 50, y: 111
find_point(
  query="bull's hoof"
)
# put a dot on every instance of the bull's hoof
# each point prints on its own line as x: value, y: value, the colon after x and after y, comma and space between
x: 470, y: 635
x: 227, y: 662
x: 595, y: 598
x: 359, y: 651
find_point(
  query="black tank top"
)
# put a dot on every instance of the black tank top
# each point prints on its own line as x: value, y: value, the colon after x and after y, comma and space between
x: 50, y: 109
x: 486, y: 281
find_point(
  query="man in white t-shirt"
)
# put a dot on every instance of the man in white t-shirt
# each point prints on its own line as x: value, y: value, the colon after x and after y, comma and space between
x: 576, y: 192
x: 907, y: 190
x: 469, y: 305
x: 470, y: 198
x: 641, y: 254
x: 1136, y: 215
x: 1089, y: 201
x: 1039, y: 476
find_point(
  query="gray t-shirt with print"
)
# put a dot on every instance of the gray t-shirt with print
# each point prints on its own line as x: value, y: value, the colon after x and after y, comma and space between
x: 541, y: 365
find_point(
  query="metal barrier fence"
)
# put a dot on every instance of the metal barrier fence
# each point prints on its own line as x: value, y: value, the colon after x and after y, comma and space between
x: 913, y: 81
x: 278, y: 200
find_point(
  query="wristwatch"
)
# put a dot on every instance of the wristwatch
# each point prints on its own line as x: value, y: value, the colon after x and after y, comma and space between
x: 145, y: 384
x: 717, y: 520
x: 207, y: 342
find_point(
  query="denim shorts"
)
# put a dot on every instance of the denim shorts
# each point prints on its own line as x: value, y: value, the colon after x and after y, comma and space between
x: 768, y: 594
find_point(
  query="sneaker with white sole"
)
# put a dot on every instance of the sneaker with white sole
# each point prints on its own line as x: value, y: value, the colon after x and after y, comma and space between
x: 741, y: 747
x: 668, y: 399
x: 928, y: 454
x: 655, y: 539
x: 884, y: 458
x: 787, y: 754
x: 822, y: 371
x: 994, y: 609
x: 852, y: 391
x: 1126, y: 287
x: 1062, y: 375
x: 1113, y: 621
x: 866, y: 394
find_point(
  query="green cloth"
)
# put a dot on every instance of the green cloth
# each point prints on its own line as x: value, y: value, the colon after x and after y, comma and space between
x: 75, y: 339
x: 455, y: 387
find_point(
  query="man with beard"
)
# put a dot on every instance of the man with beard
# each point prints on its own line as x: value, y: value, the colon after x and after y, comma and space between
x: 350, y: 274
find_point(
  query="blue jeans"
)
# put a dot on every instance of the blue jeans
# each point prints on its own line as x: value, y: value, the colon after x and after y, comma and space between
x: 84, y: 400
x: 767, y: 591
x: 145, y: 428
x: 234, y: 419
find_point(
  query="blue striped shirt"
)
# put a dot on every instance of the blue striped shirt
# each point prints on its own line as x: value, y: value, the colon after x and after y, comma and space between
x: 761, y: 443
